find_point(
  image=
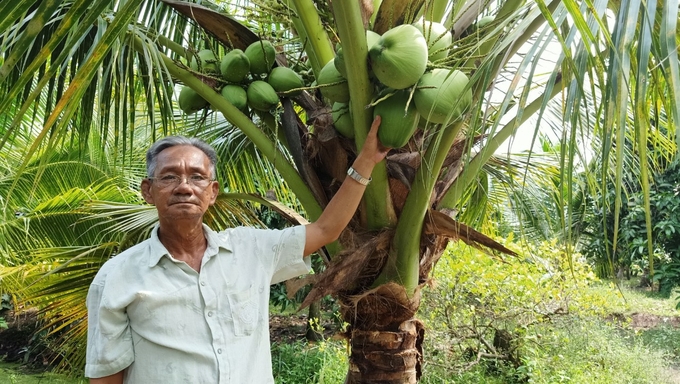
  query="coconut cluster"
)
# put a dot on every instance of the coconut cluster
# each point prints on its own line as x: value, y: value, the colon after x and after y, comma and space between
x: 247, y: 79
x: 398, y: 62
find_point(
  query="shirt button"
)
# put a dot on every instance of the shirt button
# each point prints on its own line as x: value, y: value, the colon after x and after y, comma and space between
x: 209, y: 314
x: 219, y: 351
x: 203, y: 283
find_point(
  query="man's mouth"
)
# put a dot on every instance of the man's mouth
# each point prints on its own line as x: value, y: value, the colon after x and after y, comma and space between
x: 181, y: 202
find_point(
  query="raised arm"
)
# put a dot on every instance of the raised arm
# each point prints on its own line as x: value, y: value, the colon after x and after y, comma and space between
x: 342, y: 206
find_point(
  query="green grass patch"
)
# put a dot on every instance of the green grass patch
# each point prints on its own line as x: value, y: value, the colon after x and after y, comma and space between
x: 590, y: 350
x: 664, y: 338
x: 11, y: 373
x: 628, y: 298
x: 309, y: 363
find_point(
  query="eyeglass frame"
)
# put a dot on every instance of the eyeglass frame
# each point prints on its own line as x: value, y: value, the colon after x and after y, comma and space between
x: 178, y: 180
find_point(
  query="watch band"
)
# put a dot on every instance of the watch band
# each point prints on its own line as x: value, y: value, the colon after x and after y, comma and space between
x: 356, y: 176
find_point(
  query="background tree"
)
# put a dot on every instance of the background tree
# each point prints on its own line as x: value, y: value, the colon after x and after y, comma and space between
x: 65, y: 57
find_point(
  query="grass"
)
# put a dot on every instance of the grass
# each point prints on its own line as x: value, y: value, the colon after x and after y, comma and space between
x: 628, y: 298
x: 11, y: 373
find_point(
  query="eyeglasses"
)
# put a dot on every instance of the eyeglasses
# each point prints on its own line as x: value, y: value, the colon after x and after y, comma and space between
x: 167, y: 181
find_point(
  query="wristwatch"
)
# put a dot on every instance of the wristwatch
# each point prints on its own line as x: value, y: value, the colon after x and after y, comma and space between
x: 356, y: 176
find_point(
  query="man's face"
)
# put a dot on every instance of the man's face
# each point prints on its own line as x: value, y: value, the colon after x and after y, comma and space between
x: 184, y: 200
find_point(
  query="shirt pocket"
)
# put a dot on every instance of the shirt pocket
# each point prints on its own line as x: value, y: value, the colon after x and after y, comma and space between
x: 244, y: 311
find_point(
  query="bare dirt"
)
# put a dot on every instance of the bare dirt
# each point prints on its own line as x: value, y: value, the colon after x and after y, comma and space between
x: 291, y: 328
x: 644, y: 321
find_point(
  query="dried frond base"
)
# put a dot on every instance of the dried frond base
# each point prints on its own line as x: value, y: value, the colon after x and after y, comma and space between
x: 352, y: 269
x: 383, y: 308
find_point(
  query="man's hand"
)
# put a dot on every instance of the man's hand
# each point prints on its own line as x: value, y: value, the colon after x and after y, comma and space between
x: 373, y: 149
x: 342, y: 206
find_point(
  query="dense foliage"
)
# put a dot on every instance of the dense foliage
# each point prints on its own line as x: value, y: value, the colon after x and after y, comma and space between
x: 630, y: 256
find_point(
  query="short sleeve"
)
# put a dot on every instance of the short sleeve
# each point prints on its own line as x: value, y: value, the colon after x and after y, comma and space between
x: 109, y: 339
x: 289, y: 251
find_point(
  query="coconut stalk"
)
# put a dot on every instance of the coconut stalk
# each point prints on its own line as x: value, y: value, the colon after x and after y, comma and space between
x: 378, y: 209
x: 319, y: 47
x: 304, y: 40
x: 403, y: 261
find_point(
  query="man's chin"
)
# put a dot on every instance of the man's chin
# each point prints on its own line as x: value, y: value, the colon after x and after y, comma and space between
x: 184, y: 211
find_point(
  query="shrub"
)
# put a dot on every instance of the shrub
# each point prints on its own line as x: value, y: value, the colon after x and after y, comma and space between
x: 533, y: 318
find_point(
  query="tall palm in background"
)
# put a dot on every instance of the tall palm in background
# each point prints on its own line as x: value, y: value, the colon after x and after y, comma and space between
x: 74, y: 70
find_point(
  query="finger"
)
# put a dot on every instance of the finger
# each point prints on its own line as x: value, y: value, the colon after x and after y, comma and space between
x: 375, y: 124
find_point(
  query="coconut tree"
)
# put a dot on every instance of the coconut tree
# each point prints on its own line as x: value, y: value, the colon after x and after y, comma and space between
x: 69, y: 55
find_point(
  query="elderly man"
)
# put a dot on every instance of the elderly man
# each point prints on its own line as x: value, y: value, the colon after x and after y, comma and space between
x: 190, y: 305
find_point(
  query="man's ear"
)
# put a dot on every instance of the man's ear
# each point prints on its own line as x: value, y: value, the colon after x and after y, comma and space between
x: 215, y: 189
x: 146, y: 191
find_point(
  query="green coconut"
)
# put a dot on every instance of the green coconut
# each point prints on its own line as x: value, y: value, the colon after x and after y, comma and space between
x: 371, y: 38
x: 190, y: 101
x: 235, y: 66
x: 235, y: 95
x: 283, y: 79
x: 329, y: 75
x: 399, y: 58
x: 442, y: 97
x: 339, y: 61
x: 262, y: 56
x: 261, y: 96
x: 438, y: 38
x: 342, y: 120
x: 397, y: 121
x: 208, y: 62
x: 484, y: 21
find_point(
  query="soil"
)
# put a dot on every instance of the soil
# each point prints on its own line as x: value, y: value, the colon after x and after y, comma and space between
x: 18, y: 339
x: 291, y: 328
x: 644, y: 321
x: 15, y: 341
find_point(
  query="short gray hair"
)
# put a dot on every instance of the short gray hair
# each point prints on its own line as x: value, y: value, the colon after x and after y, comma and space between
x: 171, y: 141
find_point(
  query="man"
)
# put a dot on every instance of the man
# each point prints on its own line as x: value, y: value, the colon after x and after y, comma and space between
x: 190, y: 305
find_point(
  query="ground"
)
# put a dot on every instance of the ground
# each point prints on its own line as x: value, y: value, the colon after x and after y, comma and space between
x: 293, y: 327
x: 17, y: 343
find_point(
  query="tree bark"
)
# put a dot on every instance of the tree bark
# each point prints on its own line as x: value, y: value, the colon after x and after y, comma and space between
x: 383, y: 357
x: 314, y: 327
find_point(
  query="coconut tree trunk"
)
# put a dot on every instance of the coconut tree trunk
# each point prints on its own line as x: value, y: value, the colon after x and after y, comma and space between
x: 388, y: 357
x: 385, y: 339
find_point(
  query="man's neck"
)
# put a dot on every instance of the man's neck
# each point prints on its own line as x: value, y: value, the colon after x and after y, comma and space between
x: 184, y: 242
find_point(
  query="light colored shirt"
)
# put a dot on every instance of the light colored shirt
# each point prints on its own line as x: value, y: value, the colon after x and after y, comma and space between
x: 165, y: 323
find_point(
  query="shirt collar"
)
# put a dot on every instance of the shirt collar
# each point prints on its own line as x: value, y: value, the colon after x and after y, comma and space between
x: 215, y: 241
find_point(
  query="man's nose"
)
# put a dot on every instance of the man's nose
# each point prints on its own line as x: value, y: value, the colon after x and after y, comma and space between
x: 184, y: 182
